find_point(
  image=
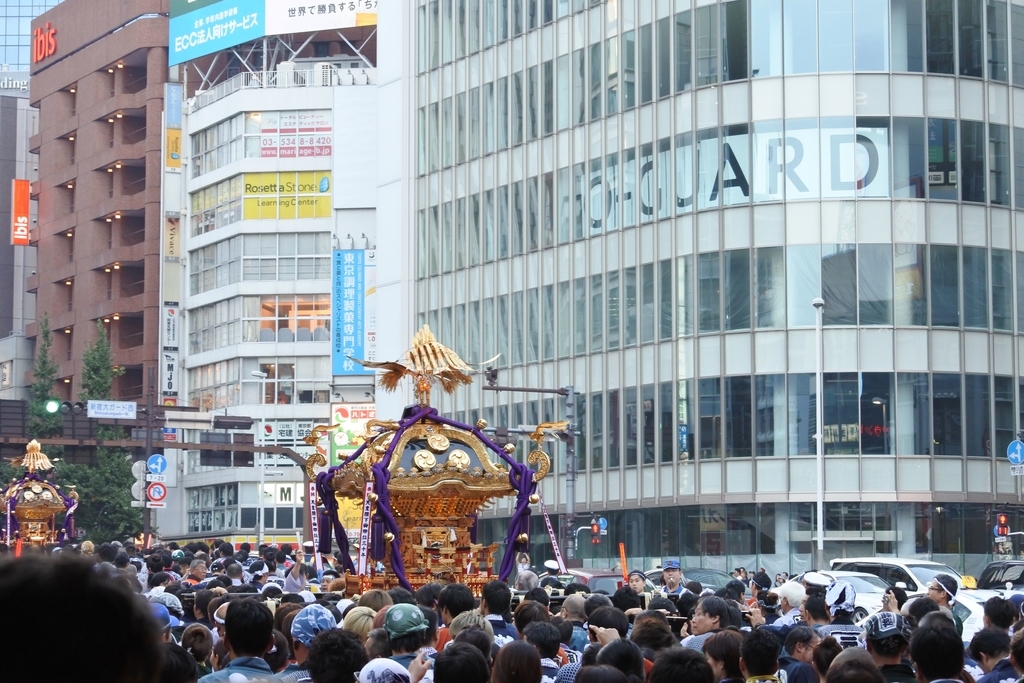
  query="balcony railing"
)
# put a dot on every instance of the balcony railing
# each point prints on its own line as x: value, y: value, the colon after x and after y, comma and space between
x: 323, y: 75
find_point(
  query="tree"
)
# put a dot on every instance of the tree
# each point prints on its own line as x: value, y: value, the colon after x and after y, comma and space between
x: 43, y: 424
x: 104, y: 489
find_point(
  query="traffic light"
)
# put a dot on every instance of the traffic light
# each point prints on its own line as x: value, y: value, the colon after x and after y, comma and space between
x: 595, y: 531
x: 1002, y: 524
x: 65, y: 407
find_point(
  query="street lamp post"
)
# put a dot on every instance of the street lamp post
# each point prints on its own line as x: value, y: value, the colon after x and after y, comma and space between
x: 819, y: 441
x: 879, y: 401
x: 262, y: 470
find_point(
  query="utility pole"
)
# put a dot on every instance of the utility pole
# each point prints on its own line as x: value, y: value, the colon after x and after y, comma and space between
x: 567, y: 531
x: 569, y: 436
x: 147, y: 514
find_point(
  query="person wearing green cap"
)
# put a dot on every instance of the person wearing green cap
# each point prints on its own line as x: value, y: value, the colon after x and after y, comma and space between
x: 407, y: 630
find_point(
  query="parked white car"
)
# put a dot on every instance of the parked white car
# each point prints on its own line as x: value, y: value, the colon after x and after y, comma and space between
x: 911, y: 575
x: 869, y: 587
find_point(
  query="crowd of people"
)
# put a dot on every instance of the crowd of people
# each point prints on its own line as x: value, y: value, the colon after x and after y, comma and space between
x: 213, y: 612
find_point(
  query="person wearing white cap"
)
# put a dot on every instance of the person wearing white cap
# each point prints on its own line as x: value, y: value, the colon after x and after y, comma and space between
x: 841, y: 599
x: 791, y: 596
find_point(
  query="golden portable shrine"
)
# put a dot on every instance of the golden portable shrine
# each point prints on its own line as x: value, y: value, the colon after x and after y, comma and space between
x: 422, y: 481
x: 32, y: 504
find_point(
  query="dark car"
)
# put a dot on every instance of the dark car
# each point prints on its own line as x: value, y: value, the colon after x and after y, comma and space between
x: 997, y: 574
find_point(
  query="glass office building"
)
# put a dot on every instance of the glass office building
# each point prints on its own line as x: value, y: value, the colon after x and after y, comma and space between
x: 641, y: 198
x: 16, y: 32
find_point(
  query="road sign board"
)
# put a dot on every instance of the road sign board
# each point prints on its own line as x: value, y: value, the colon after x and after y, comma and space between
x: 138, y: 468
x: 1002, y: 539
x: 170, y: 434
x: 156, y: 504
x: 1015, y: 452
x: 138, y: 503
x: 157, y: 464
x: 112, y: 410
x: 1017, y: 470
x: 160, y: 478
x: 156, y: 492
x: 138, y: 492
x: 603, y: 523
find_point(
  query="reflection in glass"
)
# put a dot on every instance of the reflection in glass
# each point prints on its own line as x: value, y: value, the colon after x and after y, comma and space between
x: 665, y: 299
x: 645, y: 55
x: 737, y: 289
x: 596, y: 313
x: 1002, y: 391
x: 650, y: 421
x: 579, y: 183
x: 907, y: 31
x: 564, y: 87
x: 770, y: 287
x: 803, y: 283
x: 614, y: 308
x: 501, y: 327
x: 738, y: 428
x: 939, y: 35
x: 709, y: 291
x: 1017, y: 46
x: 835, y: 35
x: 516, y: 224
x: 665, y: 196
x: 647, y: 303
x: 841, y: 425
x: 908, y: 175
x: 871, y: 22
x: 596, y: 81
x: 839, y: 283
x: 613, y: 428
x: 710, y: 418
x: 518, y: 316
x: 946, y: 416
x: 684, y: 173
x: 706, y: 45
x: 770, y: 415
x: 664, y: 57
x: 548, y: 88
x: 596, y: 196
x: 684, y: 296
x: 597, y: 431
x: 945, y: 286
x: 667, y: 422
x: 875, y: 284
x: 707, y: 168
x: 646, y: 188
x: 628, y: 70
x: 685, y: 419
x: 612, y: 194
x: 532, y: 325
x: 683, y: 46
x: 612, y: 75
x: 913, y: 414
x: 975, y: 287
x: 562, y: 206
x: 579, y: 101
x: 765, y: 38
x: 580, y: 299
x: 733, y: 178
x: 629, y: 191
x: 1002, y: 290
x: 802, y: 408
x: 942, y: 176
x: 548, y: 315
x: 564, y: 320
x: 999, y: 157
x: 632, y: 425
x: 801, y: 47
x: 972, y: 160
x: 767, y: 161
x: 972, y: 46
x: 629, y: 306
x: 876, y: 413
x: 977, y: 428
x: 995, y: 16
x: 909, y: 293
x: 734, y: 40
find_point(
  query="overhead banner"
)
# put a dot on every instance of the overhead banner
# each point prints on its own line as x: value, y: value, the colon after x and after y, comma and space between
x: 349, y: 422
x: 202, y: 27
x: 353, y: 310
x: 172, y: 320
x: 20, y: 217
x: 303, y: 133
x: 288, y: 16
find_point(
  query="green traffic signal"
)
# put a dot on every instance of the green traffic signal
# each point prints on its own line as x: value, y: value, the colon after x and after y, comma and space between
x: 52, y: 406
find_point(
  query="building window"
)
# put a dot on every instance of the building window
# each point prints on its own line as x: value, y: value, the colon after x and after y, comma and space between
x: 213, y: 508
